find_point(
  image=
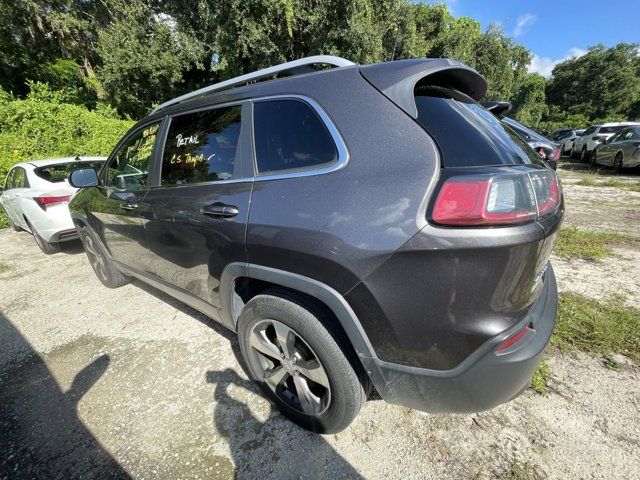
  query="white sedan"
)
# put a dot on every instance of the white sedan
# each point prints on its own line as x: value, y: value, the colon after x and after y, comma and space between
x: 35, y: 197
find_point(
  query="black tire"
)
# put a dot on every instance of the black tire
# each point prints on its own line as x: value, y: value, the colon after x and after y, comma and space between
x: 48, y: 248
x: 316, y: 333
x: 103, y: 267
x: 593, y: 159
x: 583, y: 155
x: 618, y: 161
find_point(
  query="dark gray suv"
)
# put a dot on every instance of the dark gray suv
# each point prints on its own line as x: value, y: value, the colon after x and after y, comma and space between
x: 359, y: 227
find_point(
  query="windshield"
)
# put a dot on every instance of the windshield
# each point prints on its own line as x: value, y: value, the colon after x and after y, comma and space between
x: 467, y: 133
x: 60, y: 172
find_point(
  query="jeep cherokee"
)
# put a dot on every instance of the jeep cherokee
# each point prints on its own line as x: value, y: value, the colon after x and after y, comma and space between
x: 358, y: 226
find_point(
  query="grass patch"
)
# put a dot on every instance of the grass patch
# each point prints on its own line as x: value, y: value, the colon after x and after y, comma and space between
x: 522, y: 471
x: 4, y: 221
x: 596, y: 327
x: 540, y: 378
x: 5, y: 267
x: 574, y: 242
x: 591, y: 181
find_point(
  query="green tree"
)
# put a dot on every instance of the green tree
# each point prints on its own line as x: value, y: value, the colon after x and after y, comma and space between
x: 529, y: 102
x: 604, y: 83
x: 143, y: 59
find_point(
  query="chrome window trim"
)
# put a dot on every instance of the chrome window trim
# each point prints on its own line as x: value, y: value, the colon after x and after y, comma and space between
x: 343, y: 153
x: 341, y: 147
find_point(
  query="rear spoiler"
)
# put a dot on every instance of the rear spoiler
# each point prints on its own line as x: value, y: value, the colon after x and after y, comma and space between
x: 499, y: 109
x: 397, y: 80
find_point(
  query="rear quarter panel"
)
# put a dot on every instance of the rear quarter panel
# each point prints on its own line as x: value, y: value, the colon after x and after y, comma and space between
x: 338, y: 227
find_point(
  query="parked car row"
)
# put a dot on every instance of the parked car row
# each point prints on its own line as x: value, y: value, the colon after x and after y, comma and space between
x: 357, y: 227
x: 615, y: 144
x: 593, y: 136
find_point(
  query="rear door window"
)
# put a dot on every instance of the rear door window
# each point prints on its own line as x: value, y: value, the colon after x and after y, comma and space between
x: 467, y: 134
x: 20, y: 178
x: 8, y: 183
x: 202, y: 147
x: 290, y: 136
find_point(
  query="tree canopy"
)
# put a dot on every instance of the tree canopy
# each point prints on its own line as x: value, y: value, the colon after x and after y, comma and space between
x: 133, y: 54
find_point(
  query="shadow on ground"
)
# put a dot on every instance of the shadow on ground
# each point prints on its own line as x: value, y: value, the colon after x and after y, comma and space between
x: 269, y: 448
x: 41, y: 435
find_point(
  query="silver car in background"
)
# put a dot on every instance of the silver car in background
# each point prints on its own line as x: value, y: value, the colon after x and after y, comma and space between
x: 620, y: 151
x: 35, y: 197
x: 585, y: 144
x: 567, y: 139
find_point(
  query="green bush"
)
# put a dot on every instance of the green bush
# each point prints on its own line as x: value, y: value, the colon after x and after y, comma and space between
x: 40, y: 126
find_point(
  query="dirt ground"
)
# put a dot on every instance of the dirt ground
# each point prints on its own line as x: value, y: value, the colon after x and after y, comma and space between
x: 129, y: 382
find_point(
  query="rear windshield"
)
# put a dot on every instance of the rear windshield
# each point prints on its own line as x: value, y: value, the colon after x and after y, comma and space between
x: 60, y: 171
x: 612, y: 129
x: 469, y: 135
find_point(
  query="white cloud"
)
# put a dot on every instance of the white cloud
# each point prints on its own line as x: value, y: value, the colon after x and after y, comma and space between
x: 544, y: 65
x: 523, y: 23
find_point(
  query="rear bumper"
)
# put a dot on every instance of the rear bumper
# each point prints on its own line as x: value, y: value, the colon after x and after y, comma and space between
x: 484, y: 380
x: 54, y: 224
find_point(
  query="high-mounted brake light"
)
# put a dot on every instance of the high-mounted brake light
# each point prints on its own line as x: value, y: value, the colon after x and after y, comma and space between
x: 45, y: 202
x: 500, y: 199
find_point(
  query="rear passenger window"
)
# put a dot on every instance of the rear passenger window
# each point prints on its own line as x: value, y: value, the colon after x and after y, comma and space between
x: 20, y: 178
x: 202, y: 147
x: 289, y: 136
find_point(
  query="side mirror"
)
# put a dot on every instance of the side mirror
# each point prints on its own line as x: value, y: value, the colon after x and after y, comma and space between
x: 85, y: 177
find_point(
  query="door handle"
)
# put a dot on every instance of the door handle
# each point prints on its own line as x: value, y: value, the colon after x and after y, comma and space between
x: 220, y: 210
x: 128, y: 206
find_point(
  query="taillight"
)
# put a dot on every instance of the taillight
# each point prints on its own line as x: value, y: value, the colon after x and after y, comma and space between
x: 556, y: 154
x: 45, y: 202
x: 547, y: 191
x: 500, y: 199
x: 513, y: 339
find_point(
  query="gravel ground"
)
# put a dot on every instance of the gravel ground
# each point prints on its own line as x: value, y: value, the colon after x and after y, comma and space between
x: 129, y: 382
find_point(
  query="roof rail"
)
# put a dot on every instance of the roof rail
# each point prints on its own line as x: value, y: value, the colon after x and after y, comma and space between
x: 295, y: 67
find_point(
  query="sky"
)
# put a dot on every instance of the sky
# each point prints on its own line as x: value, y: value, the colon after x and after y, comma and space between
x: 555, y: 30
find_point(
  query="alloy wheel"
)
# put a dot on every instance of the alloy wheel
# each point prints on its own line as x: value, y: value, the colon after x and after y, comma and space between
x: 95, y: 258
x: 290, y: 367
x: 617, y: 162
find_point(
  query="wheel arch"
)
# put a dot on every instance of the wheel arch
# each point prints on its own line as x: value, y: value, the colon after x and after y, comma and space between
x: 236, y: 275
